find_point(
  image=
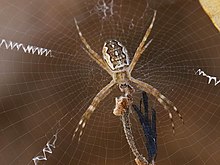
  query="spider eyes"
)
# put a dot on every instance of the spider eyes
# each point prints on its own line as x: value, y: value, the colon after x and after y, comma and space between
x: 123, y: 85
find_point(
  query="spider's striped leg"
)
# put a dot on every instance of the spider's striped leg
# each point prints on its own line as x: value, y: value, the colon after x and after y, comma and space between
x: 90, y: 51
x: 95, y: 102
x: 142, y: 45
x: 167, y: 104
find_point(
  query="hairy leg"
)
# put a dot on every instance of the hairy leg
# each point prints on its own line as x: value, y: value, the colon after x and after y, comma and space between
x: 142, y: 45
x: 167, y: 104
x: 95, y: 102
x: 91, y: 52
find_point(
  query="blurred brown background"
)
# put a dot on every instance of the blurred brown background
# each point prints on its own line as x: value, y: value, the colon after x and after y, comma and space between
x: 40, y: 95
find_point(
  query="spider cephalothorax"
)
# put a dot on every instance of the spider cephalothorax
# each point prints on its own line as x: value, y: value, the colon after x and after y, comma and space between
x: 115, y: 55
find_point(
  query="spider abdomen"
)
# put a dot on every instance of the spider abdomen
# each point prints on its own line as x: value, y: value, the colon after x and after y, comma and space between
x: 115, y: 55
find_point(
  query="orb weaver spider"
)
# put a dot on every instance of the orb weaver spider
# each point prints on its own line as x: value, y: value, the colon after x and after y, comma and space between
x: 116, y: 62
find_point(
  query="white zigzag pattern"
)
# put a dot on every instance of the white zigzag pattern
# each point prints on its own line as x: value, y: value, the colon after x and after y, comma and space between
x: 46, y: 149
x: 27, y: 49
x: 200, y: 72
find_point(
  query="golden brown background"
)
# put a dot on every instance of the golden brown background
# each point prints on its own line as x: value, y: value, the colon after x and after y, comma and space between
x: 40, y: 95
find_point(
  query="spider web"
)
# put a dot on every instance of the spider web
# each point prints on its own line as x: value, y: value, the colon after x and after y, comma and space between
x: 43, y: 98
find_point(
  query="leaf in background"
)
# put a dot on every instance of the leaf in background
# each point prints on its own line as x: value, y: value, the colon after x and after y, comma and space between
x: 212, y: 9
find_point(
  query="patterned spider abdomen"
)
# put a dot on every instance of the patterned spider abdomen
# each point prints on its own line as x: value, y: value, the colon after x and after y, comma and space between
x: 115, y: 55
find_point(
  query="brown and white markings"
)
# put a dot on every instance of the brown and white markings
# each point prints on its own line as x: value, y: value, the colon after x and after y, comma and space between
x: 116, y: 62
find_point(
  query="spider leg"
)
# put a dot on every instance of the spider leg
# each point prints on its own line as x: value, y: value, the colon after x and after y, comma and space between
x: 90, y: 51
x: 167, y: 104
x: 142, y: 45
x: 95, y: 102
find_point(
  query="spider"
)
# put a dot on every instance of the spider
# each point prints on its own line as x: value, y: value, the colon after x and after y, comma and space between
x: 116, y: 62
